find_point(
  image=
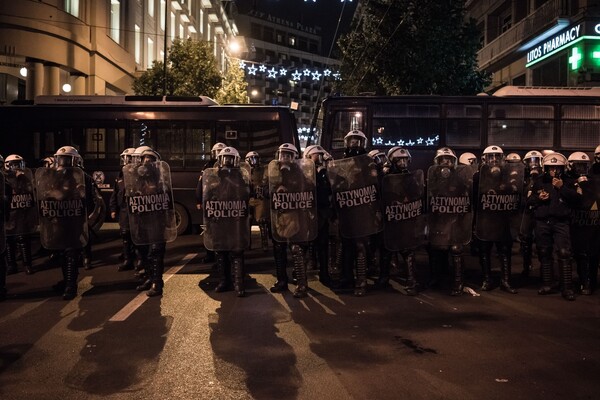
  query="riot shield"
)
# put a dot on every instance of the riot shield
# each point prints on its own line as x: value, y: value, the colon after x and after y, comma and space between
x: 585, y: 219
x: 260, y: 190
x: 22, y: 211
x: 149, y: 197
x: 293, y: 200
x: 356, y: 196
x: 499, y: 203
x: 61, y: 208
x: 404, y: 211
x: 225, y: 202
x: 450, y: 214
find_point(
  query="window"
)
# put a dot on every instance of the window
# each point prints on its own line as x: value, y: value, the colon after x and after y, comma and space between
x: 406, y: 124
x: 181, y: 32
x: 72, y: 7
x: 138, y: 39
x: 163, y: 14
x: 505, y: 21
x: 344, y: 122
x: 255, y: 31
x: 268, y: 35
x: 150, y: 8
x: 172, y: 28
x: 280, y: 36
x: 463, y: 125
x: 292, y: 41
x: 201, y: 21
x: 521, y: 126
x: 115, y: 20
x: 150, y: 51
x: 580, y: 126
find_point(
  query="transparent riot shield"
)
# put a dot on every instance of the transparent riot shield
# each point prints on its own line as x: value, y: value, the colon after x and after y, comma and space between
x: 450, y: 216
x: 225, y: 202
x: 403, y: 211
x: 22, y: 211
x: 3, y: 209
x: 149, y: 197
x: 61, y: 208
x: 260, y: 193
x: 356, y: 196
x: 293, y: 200
x: 499, y: 203
x: 585, y: 219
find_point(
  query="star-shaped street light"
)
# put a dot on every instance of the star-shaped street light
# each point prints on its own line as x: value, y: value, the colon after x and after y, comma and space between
x: 327, y: 72
x: 283, y: 72
x: 262, y: 68
x: 316, y: 76
x: 296, y: 75
x: 252, y: 70
x: 306, y: 72
x: 272, y: 73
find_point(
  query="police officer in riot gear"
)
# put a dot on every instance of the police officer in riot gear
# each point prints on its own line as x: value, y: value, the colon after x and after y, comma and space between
x: 214, y: 152
x: 22, y: 218
x: 228, y: 164
x: 552, y: 202
x: 258, y: 201
x: 317, y: 154
x: 5, y: 200
x: 155, y: 265
x: 399, y: 162
x: 585, y: 235
x: 118, y: 210
x: 595, y: 170
x: 445, y: 162
x: 494, y: 173
x: 533, y: 168
x: 355, y: 143
x: 48, y: 162
x: 468, y: 159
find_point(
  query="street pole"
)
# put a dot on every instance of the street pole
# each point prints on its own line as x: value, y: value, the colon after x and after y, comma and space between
x: 165, y: 50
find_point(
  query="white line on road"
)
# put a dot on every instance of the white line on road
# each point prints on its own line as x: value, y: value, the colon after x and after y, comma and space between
x: 134, y: 304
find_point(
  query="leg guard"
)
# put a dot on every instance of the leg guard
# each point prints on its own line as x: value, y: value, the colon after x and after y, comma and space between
x: 238, y: 274
x: 526, y: 254
x: 566, y: 276
x: 485, y: 251
x: 24, y: 243
x: 264, y: 234
x: 457, y: 266
x: 128, y: 259
x: 360, y: 286
x: 546, y: 261
x: 504, y: 251
x: 157, y: 259
x: 87, y: 253
x: 224, y: 271
x: 411, y: 282
x: 583, y: 270
x: 11, y: 255
x: 70, y: 274
x: 300, y: 270
x: 280, y: 255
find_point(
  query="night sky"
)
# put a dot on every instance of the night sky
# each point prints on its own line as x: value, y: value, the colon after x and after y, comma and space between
x: 323, y: 13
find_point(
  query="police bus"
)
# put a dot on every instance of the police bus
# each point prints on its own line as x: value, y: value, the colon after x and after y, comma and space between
x: 518, y: 119
x: 182, y: 130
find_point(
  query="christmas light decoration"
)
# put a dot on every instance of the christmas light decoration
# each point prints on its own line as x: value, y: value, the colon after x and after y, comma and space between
x: 274, y: 72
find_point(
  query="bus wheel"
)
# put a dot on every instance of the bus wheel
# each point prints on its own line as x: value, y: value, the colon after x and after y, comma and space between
x: 182, y: 219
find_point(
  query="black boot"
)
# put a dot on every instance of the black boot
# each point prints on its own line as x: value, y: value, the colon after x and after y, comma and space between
x: 486, y: 265
x: 457, y: 284
x: 360, y: 286
x: 25, y: 247
x: 300, y: 270
x: 224, y: 271
x: 566, y: 277
x: 526, y: 254
x: 411, y: 281
x: 11, y: 256
x: 546, y: 275
x: 128, y: 258
x: 505, y: 262
x: 71, y: 273
x: 280, y: 255
x: 148, y: 273
x: 583, y: 269
x: 158, y: 268
x: 238, y: 276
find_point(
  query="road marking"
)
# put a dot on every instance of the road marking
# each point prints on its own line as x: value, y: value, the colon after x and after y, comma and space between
x: 22, y: 310
x: 134, y: 304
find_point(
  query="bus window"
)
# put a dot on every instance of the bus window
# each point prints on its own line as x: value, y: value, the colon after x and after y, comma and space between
x: 463, y: 125
x: 344, y: 122
x: 580, y: 126
x: 406, y: 125
x: 521, y: 125
x: 103, y: 143
x: 260, y: 136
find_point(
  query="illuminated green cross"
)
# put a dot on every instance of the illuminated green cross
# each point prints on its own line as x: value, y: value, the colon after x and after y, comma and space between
x: 576, y: 56
x: 596, y: 54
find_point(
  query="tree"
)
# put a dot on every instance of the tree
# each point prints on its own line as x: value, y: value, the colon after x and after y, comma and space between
x: 234, y: 88
x: 412, y: 47
x: 191, y: 71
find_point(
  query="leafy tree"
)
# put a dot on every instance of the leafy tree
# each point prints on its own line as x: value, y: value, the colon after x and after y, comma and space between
x: 191, y: 71
x: 234, y: 88
x: 412, y: 47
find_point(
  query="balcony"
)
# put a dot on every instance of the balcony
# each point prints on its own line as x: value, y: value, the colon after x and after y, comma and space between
x: 533, y: 24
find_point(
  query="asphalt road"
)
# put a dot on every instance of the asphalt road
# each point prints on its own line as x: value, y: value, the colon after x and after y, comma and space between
x: 113, y: 343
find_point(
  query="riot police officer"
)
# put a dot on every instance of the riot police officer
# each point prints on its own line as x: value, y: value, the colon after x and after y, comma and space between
x: 5, y: 199
x: 468, y: 159
x: 317, y: 154
x: 595, y: 170
x: 533, y: 168
x: 552, y: 201
x: 118, y: 209
x: 22, y: 218
x: 214, y: 152
x: 259, y: 205
x: 497, y: 185
x: 227, y: 225
x: 404, y: 188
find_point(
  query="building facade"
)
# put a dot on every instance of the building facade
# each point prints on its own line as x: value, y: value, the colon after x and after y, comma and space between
x: 90, y: 47
x: 539, y: 42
